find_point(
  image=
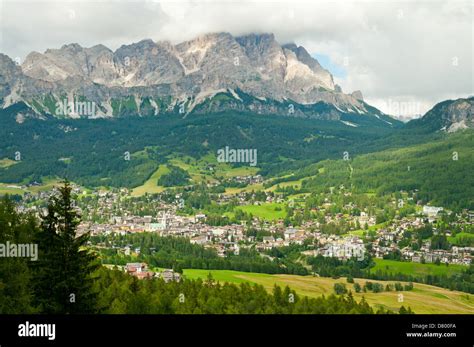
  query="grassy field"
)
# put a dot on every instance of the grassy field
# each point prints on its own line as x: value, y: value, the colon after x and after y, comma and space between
x: 12, y: 189
x: 359, y: 233
x: 7, y: 162
x: 249, y: 188
x: 456, y: 239
x: 150, y: 186
x: 422, y: 299
x: 265, y: 211
x: 228, y: 171
x: 196, y: 169
x: 294, y: 184
x: 259, y: 186
x: 199, y: 169
x: 410, y: 268
x: 48, y: 184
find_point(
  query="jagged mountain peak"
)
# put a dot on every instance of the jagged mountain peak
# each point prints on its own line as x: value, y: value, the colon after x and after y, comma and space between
x: 187, y: 73
x: 262, y: 40
x: 358, y: 95
x: 303, y: 55
x: 75, y: 47
x: 260, y: 51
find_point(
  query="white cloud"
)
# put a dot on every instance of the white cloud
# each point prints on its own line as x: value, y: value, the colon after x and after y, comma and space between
x: 408, y: 51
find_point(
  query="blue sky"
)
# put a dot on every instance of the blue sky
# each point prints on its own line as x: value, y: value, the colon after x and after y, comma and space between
x: 335, y: 69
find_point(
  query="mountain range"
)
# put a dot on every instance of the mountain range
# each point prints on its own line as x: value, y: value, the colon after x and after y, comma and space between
x: 211, y: 73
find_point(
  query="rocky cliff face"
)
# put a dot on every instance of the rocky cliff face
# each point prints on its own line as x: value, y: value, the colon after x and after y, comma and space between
x: 10, y: 73
x: 450, y: 115
x: 157, y: 77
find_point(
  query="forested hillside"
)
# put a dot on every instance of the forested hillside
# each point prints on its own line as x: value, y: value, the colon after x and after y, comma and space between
x: 440, y: 170
x: 93, y: 152
x: 125, y: 152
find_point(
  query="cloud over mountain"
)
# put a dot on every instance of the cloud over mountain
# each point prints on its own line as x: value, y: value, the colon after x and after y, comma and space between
x: 390, y: 51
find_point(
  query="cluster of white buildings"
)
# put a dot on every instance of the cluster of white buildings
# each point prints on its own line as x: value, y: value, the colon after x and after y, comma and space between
x: 141, y: 271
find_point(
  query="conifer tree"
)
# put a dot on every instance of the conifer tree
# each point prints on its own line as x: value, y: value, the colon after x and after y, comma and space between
x: 64, y: 273
x: 15, y: 289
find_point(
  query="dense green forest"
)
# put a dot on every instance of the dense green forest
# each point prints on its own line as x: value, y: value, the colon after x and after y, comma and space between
x: 125, y: 152
x: 121, y: 293
x: 50, y: 147
x: 440, y: 171
x: 176, y: 177
x: 179, y: 253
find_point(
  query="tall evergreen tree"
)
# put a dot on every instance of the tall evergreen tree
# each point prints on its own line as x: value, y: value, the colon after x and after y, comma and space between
x: 15, y: 290
x: 64, y: 274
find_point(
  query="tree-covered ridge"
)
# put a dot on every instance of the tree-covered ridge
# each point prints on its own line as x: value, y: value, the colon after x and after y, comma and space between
x: 448, y: 115
x: 178, y: 253
x: 440, y: 172
x: 126, y: 152
x: 176, y: 177
x: 94, y: 152
x: 126, y: 294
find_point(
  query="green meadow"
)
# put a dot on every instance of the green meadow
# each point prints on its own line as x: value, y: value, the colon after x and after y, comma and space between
x: 422, y: 299
x: 414, y: 269
x: 456, y: 240
x: 151, y: 185
x: 267, y: 211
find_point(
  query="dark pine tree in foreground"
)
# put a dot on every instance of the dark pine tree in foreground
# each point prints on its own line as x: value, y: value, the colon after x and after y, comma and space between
x: 15, y: 289
x: 63, y: 281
